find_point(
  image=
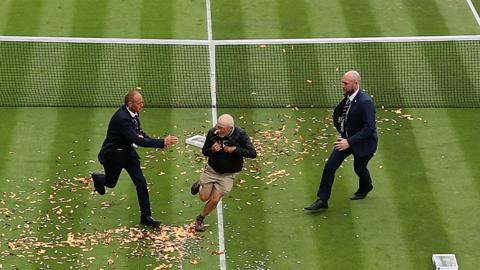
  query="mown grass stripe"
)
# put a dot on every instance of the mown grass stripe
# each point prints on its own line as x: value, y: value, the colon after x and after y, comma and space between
x: 301, y: 63
x: 476, y: 3
x: 190, y: 20
x: 260, y: 19
x: 88, y: 21
x: 23, y: 17
x: 363, y: 62
x: 378, y: 224
x: 7, y: 130
x: 29, y: 131
x: 180, y: 168
x: 26, y: 174
x: 20, y: 73
x: 427, y: 21
x: 325, y: 19
x: 451, y: 81
x: 89, y: 64
x: 157, y: 19
x: 159, y: 123
x: 246, y: 212
x: 423, y: 227
x: 4, y: 11
x: 123, y: 19
x: 465, y: 126
x: 391, y: 18
x: 56, y: 18
x: 257, y: 19
x: 447, y: 166
x: 330, y: 234
x: 473, y: 11
x: 304, y: 67
x: 151, y: 11
x: 60, y: 169
x: 457, y: 16
x: 359, y: 56
x: 335, y: 229
x: 298, y: 28
x: 227, y: 15
x: 240, y: 59
x: 459, y: 75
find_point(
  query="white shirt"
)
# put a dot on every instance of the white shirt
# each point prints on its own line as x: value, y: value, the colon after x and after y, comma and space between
x: 132, y: 114
x: 352, y: 96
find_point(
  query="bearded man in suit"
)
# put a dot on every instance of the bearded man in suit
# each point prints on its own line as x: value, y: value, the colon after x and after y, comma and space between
x: 354, y: 119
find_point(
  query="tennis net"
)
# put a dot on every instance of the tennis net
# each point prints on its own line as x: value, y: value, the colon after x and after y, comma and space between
x: 397, y: 72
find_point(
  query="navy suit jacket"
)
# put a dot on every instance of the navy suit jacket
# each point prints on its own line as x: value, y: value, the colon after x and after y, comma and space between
x: 360, y: 131
x: 121, y: 134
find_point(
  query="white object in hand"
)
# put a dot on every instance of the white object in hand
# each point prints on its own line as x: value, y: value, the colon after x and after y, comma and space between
x: 197, y: 140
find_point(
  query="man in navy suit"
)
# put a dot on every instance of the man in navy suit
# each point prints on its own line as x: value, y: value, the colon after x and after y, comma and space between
x: 354, y: 118
x: 124, y: 134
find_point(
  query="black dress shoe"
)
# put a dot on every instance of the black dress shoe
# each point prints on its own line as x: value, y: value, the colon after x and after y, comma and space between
x: 195, y: 188
x: 149, y: 221
x: 98, y: 184
x: 317, y: 205
x: 360, y: 195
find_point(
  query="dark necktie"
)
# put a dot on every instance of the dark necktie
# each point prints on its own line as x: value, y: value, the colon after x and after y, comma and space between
x: 136, y: 122
x: 343, y: 118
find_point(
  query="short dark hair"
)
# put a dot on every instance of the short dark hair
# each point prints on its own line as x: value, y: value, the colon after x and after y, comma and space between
x: 129, y: 96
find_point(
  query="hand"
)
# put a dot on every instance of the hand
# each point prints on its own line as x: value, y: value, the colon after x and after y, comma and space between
x: 216, y: 147
x: 169, y: 140
x: 341, y: 144
x: 229, y: 149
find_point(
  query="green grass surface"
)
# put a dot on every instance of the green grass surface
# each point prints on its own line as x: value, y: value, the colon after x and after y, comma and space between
x: 38, y: 170
x: 235, y: 19
x: 425, y: 171
x: 111, y: 18
x: 424, y: 175
x: 346, y: 18
x: 476, y: 3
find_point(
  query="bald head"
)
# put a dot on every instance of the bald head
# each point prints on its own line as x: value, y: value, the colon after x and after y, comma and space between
x: 226, y: 120
x: 352, y: 75
x: 129, y: 97
x: 225, y: 125
x: 350, y: 82
x: 134, y: 101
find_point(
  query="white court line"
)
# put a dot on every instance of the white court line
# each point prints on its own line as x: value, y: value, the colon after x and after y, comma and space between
x: 213, y: 94
x: 474, y: 11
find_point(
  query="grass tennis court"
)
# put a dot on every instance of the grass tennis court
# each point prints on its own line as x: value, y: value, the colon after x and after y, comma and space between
x: 425, y: 171
x: 422, y: 204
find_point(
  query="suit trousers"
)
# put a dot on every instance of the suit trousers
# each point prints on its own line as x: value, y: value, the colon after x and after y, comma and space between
x: 114, y: 163
x: 334, y: 162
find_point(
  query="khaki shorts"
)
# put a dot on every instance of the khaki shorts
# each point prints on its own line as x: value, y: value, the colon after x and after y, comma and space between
x: 222, y: 182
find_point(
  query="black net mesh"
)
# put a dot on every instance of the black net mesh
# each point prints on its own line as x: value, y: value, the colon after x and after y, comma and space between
x: 88, y: 74
x: 396, y: 74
